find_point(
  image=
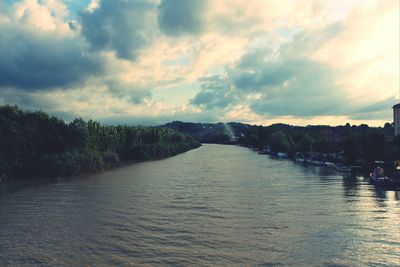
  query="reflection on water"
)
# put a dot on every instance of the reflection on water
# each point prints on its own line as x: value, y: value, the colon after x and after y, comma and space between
x: 216, y: 205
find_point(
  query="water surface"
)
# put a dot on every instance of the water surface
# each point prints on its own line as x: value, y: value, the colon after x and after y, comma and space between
x: 216, y: 205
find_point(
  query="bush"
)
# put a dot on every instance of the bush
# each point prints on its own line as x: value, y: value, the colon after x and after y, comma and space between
x: 110, y: 159
x: 71, y: 163
x: 34, y: 144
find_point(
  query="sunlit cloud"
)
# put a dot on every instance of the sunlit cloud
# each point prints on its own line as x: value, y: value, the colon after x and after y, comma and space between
x: 257, y: 61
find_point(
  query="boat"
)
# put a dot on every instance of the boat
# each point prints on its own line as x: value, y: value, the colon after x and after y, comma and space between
x: 265, y: 151
x: 330, y: 164
x: 282, y: 155
x: 341, y: 168
x: 382, y: 181
x: 314, y: 161
x: 300, y: 160
x: 379, y: 178
x: 299, y: 157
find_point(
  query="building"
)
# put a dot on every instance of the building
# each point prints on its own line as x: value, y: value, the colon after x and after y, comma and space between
x: 396, y: 117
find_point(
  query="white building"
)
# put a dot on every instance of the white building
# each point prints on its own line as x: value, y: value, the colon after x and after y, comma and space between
x: 396, y: 117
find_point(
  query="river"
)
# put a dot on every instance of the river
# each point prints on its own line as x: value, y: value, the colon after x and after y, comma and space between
x: 213, y: 206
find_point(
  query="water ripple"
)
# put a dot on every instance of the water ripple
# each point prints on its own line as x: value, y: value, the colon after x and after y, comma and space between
x: 214, y: 206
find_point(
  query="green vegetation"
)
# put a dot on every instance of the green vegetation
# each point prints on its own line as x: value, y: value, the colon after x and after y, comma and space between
x: 348, y: 144
x: 351, y: 144
x: 34, y: 144
x: 279, y: 141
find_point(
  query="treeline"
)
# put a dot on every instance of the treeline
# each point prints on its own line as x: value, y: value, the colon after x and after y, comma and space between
x: 34, y: 144
x: 349, y: 143
x: 353, y: 144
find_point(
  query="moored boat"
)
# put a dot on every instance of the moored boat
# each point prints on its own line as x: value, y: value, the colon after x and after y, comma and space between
x: 316, y: 162
x: 282, y: 155
x: 341, y: 168
x: 299, y: 157
x: 379, y: 178
x: 300, y: 160
x: 265, y: 151
x: 330, y: 164
x: 383, y: 181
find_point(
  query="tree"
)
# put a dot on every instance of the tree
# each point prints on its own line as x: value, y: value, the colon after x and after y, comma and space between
x: 262, y: 136
x: 279, y: 142
x: 388, y: 129
x: 35, y: 144
x: 393, y: 149
x: 350, y: 150
x: 306, y: 143
x: 78, y: 133
x: 375, y: 147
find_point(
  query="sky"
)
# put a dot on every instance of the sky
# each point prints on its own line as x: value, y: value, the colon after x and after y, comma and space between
x: 298, y: 62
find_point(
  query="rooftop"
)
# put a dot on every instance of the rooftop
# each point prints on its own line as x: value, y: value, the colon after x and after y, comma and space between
x: 397, y: 105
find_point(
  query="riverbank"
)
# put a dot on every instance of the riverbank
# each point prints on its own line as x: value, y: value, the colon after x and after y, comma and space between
x: 50, y: 171
x: 389, y: 181
x: 346, y: 144
x: 34, y: 144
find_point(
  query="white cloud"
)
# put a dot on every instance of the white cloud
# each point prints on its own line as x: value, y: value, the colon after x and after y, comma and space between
x: 48, y: 15
x: 366, y: 52
x: 355, y: 41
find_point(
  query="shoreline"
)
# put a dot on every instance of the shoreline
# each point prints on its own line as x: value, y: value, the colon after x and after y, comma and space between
x: 4, y: 181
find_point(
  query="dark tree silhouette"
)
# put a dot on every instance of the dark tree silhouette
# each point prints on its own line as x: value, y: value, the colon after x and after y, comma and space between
x: 34, y: 144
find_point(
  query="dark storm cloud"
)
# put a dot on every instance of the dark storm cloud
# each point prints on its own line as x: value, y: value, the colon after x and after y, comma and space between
x: 177, y: 17
x: 119, y: 25
x: 40, y: 61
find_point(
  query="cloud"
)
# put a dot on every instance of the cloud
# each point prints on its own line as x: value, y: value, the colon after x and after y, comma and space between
x: 159, y: 119
x: 121, y: 26
x: 297, y: 87
x: 216, y: 93
x: 38, y: 50
x: 279, y: 83
x: 376, y: 110
x: 128, y: 91
x: 178, y: 17
x: 254, y: 60
x: 298, y: 80
x: 377, y: 106
x: 33, y: 100
x: 48, y: 16
x: 366, y: 51
x: 42, y: 61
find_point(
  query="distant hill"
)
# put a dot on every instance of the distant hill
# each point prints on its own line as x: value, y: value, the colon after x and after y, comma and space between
x: 222, y: 133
